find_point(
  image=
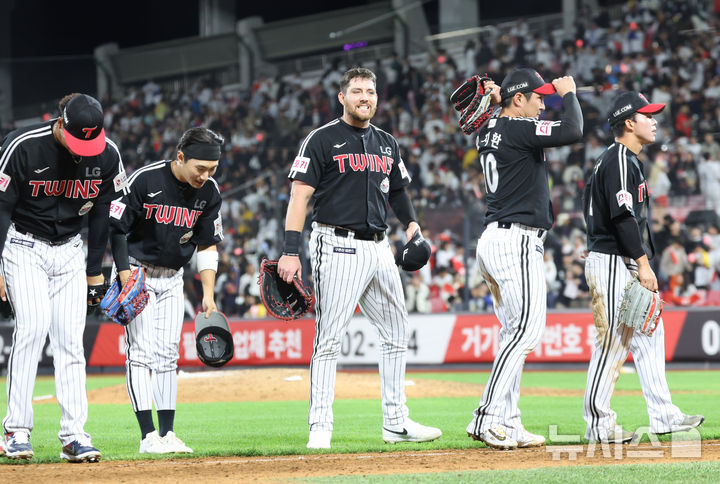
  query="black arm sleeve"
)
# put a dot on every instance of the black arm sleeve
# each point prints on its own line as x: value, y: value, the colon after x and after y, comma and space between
x: 572, y: 120
x: 119, y: 247
x: 4, y: 226
x: 628, y: 236
x: 98, y: 223
x: 402, y: 206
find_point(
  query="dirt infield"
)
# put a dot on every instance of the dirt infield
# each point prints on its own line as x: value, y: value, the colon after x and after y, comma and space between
x: 293, y: 384
x: 284, y: 468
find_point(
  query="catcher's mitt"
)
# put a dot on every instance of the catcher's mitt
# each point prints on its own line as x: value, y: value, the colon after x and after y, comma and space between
x: 282, y: 300
x: 640, y: 308
x: 473, y: 103
x: 122, y: 306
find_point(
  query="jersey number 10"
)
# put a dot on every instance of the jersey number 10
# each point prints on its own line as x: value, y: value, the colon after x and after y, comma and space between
x: 489, y: 166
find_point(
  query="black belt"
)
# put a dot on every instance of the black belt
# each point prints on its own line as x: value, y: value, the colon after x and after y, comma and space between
x: 43, y: 239
x: 507, y: 225
x: 376, y: 236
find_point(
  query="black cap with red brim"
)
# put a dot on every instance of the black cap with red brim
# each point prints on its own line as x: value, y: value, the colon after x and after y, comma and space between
x: 629, y: 103
x: 83, y: 120
x: 524, y: 80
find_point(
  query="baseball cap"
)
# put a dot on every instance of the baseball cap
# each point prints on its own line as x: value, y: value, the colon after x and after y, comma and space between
x: 83, y: 126
x: 414, y: 254
x: 524, y: 80
x: 629, y: 103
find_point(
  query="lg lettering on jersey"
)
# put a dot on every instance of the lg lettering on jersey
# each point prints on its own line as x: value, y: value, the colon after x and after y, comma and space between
x: 66, y: 188
x: 168, y: 214
x: 364, y: 162
x: 95, y: 171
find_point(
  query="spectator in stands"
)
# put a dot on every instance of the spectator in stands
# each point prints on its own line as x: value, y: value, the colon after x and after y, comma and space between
x: 417, y: 295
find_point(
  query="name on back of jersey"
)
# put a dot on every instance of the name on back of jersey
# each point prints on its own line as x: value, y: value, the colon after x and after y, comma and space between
x: 494, y: 140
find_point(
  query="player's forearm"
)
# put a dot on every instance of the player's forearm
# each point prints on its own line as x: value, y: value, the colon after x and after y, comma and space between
x: 571, y: 126
x: 207, y: 278
x: 98, y: 224
x: 119, y: 248
x: 297, y: 206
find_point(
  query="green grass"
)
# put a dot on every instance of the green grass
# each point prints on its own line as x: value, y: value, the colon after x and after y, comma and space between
x: 280, y: 428
x: 691, y: 473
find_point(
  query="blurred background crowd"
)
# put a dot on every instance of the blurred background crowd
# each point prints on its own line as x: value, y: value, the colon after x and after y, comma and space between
x: 667, y: 50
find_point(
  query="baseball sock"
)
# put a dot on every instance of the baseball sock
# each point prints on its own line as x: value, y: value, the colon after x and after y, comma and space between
x: 165, y: 421
x: 144, y: 418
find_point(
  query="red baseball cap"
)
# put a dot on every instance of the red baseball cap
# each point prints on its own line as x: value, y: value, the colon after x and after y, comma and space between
x: 524, y: 80
x: 83, y: 126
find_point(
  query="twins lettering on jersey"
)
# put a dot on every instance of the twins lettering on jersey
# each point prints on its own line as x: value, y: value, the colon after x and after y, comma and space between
x: 364, y: 162
x: 168, y: 214
x: 642, y: 191
x: 66, y: 188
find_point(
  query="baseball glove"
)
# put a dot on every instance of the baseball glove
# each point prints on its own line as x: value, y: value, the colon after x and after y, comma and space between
x: 282, y: 300
x: 122, y: 306
x: 473, y: 103
x: 640, y: 308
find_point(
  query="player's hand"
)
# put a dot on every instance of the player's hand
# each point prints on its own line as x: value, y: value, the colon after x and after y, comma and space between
x: 3, y: 296
x: 95, y: 281
x: 494, y: 90
x: 647, y: 278
x: 289, y: 266
x: 124, y: 276
x: 413, y: 227
x: 564, y: 85
x: 208, y: 305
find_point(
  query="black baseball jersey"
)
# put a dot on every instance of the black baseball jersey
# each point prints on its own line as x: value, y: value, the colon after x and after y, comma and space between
x: 47, y: 190
x: 513, y: 162
x: 352, y: 170
x: 166, y: 219
x: 617, y: 186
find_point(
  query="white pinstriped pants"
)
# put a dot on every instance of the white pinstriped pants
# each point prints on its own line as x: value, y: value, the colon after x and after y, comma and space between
x: 348, y: 272
x: 153, y: 340
x: 607, y: 275
x: 511, y: 261
x: 47, y: 288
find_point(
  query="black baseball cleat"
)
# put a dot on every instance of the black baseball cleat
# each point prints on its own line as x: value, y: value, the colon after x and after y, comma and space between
x: 77, y: 452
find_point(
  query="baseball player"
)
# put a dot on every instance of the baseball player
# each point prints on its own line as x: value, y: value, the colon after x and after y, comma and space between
x: 510, y: 250
x: 352, y: 170
x: 171, y: 208
x: 620, y: 244
x: 51, y: 175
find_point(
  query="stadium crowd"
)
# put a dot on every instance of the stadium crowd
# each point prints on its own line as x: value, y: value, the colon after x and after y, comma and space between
x: 667, y: 50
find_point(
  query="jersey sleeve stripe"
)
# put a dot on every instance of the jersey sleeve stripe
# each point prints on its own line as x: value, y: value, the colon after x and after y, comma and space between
x: 151, y: 166
x: 305, y: 141
x: 121, y: 167
x: 622, y: 155
x: 35, y: 133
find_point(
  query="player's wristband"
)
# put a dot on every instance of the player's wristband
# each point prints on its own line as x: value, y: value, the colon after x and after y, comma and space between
x: 207, y: 260
x: 292, y: 243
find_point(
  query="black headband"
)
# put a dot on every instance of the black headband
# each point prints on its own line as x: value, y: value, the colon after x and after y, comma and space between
x: 208, y: 152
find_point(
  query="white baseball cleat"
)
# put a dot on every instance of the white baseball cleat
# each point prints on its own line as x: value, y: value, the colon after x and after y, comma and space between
x: 174, y: 445
x: 616, y: 436
x: 529, y: 439
x: 688, y: 422
x: 409, y: 431
x: 153, y: 444
x: 319, y: 439
x: 496, y: 437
